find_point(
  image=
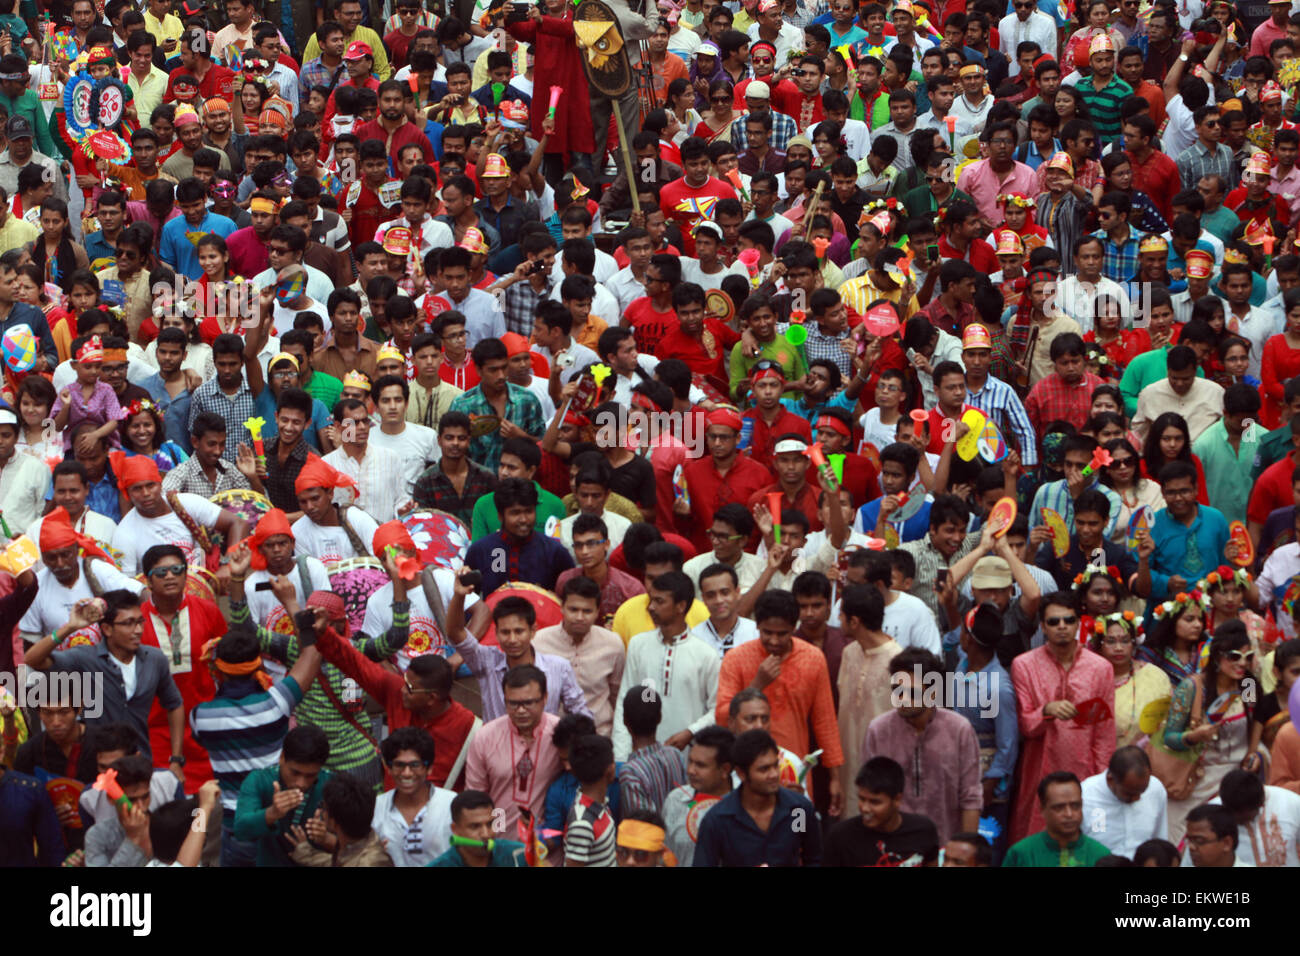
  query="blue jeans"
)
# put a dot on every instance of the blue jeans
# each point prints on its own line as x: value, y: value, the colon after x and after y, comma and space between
x: 236, y: 852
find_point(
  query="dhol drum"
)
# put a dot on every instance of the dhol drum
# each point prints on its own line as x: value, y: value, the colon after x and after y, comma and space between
x: 544, y: 602
x: 354, y: 580
x: 440, y: 538
x: 243, y: 503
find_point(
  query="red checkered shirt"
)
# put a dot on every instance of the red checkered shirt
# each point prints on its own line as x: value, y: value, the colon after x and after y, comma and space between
x: 1051, y: 399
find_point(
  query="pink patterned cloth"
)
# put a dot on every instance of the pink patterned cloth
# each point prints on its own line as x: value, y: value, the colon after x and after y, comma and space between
x: 1048, y: 744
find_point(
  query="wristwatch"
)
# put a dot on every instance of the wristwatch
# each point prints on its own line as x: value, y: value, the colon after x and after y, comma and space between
x: 177, y: 760
x: 1183, y: 57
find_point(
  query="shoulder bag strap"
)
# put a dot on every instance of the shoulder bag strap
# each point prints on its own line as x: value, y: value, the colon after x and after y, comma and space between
x: 454, y: 774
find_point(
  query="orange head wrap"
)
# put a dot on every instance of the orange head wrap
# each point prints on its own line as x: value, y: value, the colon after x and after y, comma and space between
x: 133, y: 471
x: 393, y: 534
x: 251, y: 668
x: 57, y: 532
x: 317, y: 474
x: 269, y: 525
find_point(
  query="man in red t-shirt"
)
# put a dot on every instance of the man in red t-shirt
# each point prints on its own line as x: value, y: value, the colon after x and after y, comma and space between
x: 690, y: 199
x: 801, y: 98
x: 391, y: 127
x: 699, y: 340
x: 651, y: 317
x: 196, y: 60
x: 723, y: 476
x: 359, y: 61
x: 373, y: 199
x: 771, y: 419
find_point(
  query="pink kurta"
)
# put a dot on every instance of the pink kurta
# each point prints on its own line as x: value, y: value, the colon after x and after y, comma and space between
x: 1047, y: 744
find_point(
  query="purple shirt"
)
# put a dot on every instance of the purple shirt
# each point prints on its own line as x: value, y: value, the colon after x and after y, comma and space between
x: 101, y: 408
x: 139, y: 212
x: 941, y: 765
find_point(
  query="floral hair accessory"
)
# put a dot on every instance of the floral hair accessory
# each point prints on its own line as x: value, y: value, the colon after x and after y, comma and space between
x: 142, y: 405
x: 1015, y: 199
x: 1181, y: 602
x: 1091, y: 571
x: 1223, y: 575
x: 1125, y: 619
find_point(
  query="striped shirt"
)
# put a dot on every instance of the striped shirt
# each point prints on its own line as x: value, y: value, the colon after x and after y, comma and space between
x: 589, y: 833
x: 999, y: 402
x: 1056, y: 496
x: 349, y: 748
x: 648, y: 776
x: 1196, y: 162
x: 1104, y: 104
x: 243, y: 734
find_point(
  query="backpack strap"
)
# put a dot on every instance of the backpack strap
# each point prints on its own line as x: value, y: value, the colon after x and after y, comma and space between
x: 454, y: 774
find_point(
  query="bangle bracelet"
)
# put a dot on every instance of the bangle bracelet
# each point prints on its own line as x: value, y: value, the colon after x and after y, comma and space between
x: 54, y: 636
x: 237, y: 579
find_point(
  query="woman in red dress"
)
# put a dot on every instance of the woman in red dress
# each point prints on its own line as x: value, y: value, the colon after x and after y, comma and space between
x: 1168, y: 440
x: 1120, y: 344
x: 1281, y: 361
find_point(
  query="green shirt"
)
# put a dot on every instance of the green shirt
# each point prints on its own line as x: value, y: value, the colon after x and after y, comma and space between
x: 1042, y: 850
x: 1147, y: 368
x: 778, y: 350
x: 28, y: 105
x: 255, y: 796
x: 1271, y: 449
x: 921, y: 204
x: 486, y: 520
x: 1220, y: 223
x: 327, y: 388
x: 1227, y: 472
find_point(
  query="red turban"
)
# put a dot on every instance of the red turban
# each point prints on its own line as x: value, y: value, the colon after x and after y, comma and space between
x: 727, y: 417
x: 133, y: 471
x: 57, y: 532
x: 333, y: 606
x: 270, y: 524
x: 317, y: 474
x: 392, y: 534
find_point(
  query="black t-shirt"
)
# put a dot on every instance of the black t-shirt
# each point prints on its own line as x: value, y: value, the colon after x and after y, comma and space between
x: 635, y: 481
x: 850, y: 843
x: 1266, y: 709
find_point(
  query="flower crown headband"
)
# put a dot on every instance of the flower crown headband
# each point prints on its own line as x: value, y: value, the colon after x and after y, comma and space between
x: 1224, y: 574
x: 1125, y: 619
x: 1181, y: 601
x: 1091, y: 571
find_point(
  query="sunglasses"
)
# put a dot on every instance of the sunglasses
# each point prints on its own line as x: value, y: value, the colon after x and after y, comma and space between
x: 175, y: 570
x: 1235, y: 656
x: 1059, y: 621
x: 1122, y: 462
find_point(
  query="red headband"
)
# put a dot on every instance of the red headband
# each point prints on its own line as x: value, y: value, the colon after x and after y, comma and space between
x: 834, y: 424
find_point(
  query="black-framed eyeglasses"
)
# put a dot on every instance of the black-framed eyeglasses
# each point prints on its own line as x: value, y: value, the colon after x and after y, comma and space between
x: 766, y: 365
x: 1069, y: 619
x: 409, y: 765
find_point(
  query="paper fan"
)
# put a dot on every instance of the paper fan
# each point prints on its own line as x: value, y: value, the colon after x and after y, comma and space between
x: 105, y: 144
x: 77, y: 97
x: 719, y: 305
x: 1153, y: 715
x: 108, y: 105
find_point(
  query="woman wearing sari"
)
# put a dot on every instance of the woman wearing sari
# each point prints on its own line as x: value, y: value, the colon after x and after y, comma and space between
x: 1116, y: 637
x: 1209, y: 725
x: 715, y: 126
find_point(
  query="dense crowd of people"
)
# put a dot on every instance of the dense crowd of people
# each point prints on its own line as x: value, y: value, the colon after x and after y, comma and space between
x: 769, y: 433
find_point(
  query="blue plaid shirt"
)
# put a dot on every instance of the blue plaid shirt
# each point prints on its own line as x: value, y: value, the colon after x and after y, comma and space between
x: 1121, y: 259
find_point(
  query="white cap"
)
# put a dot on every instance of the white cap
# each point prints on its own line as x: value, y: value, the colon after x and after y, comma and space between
x: 759, y: 90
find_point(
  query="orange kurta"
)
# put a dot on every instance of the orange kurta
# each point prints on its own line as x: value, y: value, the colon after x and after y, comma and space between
x: 799, y: 696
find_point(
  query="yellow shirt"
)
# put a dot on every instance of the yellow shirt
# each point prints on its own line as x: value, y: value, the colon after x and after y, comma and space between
x: 519, y: 59
x: 859, y: 293
x: 169, y: 29
x: 16, y: 232
x: 365, y: 35
x: 633, y: 617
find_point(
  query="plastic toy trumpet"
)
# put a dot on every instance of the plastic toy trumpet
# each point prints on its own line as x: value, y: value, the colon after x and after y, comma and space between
x: 555, y: 101
x: 107, y: 782
x: 255, y: 426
